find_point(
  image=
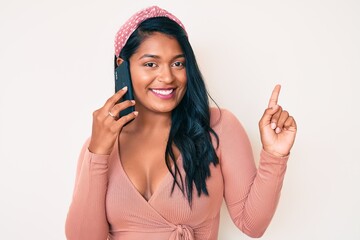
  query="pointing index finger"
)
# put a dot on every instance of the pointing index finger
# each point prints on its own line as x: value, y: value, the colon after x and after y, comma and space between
x: 274, y: 96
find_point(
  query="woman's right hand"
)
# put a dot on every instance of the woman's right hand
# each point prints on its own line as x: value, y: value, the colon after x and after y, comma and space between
x: 106, y: 124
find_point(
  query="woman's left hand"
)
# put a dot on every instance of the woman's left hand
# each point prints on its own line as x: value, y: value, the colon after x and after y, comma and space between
x: 277, y: 127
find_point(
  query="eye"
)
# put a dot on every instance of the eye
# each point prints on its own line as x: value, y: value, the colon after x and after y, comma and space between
x: 150, y: 64
x: 178, y: 64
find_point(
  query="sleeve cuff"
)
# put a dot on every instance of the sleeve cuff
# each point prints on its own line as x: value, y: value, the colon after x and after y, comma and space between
x: 269, y: 158
x: 96, y: 158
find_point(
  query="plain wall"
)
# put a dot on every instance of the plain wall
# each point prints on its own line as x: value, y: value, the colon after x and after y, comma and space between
x: 56, y: 68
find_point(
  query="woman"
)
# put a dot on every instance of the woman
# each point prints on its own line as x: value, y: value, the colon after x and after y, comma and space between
x: 162, y: 171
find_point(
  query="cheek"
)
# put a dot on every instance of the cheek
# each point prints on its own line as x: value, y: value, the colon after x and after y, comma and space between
x: 181, y: 77
x: 141, y: 79
x: 182, y: 84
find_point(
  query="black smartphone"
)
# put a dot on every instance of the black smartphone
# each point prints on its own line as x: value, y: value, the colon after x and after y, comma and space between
x: 122, y: 79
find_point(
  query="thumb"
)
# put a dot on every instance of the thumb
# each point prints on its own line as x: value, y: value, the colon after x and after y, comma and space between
x: 268, y: 114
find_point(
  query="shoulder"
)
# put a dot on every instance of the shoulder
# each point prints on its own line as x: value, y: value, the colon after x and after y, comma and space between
x: 220, y: 117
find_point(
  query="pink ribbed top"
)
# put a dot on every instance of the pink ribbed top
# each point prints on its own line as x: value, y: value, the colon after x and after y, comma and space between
x: 106, y: 205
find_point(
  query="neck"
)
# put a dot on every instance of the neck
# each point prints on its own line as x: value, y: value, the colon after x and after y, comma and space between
x: 148, y: 122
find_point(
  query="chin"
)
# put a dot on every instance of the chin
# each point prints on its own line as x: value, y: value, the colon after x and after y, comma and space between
x: 164, y: 109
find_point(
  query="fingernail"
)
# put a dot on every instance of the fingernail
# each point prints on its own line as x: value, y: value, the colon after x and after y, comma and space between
x: 124, y: 88
x: 136, y: 113
x: 273, y: 126
x: 132, y: 101
x: 278, y: 130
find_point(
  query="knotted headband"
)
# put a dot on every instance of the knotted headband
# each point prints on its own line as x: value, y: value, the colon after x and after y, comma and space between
x: 131, y: 25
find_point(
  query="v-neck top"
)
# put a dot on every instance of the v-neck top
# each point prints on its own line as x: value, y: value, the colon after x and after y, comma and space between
x: 106, y: 204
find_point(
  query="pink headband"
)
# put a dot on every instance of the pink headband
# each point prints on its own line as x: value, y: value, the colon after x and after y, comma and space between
x: 130, y: 26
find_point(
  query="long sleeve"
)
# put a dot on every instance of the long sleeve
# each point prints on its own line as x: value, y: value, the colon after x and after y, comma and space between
x: 86, y: 218
x: 251, y: 193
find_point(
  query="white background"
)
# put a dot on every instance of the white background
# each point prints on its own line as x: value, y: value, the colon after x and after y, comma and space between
x: 56, y: 67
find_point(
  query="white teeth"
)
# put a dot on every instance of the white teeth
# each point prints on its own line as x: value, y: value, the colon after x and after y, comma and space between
x: 163, y: 92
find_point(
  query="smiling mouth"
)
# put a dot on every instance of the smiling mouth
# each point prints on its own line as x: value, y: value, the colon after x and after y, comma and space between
x: 163, y: 92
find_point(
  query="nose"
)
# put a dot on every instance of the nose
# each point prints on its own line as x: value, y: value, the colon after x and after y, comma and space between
x: 166, y: 75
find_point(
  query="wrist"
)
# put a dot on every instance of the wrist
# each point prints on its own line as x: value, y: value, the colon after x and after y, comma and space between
x: 276, y: 154
x: 99, y: 150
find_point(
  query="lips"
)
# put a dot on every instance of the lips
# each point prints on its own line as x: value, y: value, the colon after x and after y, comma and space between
x: 164, y: 93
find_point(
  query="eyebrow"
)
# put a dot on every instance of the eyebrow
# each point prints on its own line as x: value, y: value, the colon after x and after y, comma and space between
x: 158, y: 57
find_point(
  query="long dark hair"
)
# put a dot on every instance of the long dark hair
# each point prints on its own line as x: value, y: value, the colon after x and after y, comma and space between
x: 190, y: 120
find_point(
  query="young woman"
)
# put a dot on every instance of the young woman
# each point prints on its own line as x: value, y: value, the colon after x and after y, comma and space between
x: 163, y: 170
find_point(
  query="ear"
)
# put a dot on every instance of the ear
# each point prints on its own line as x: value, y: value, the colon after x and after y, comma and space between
x: 119, y: 61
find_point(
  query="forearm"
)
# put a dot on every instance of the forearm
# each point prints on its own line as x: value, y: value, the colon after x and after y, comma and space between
x: 254, y: 213
x: 87, y: 217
